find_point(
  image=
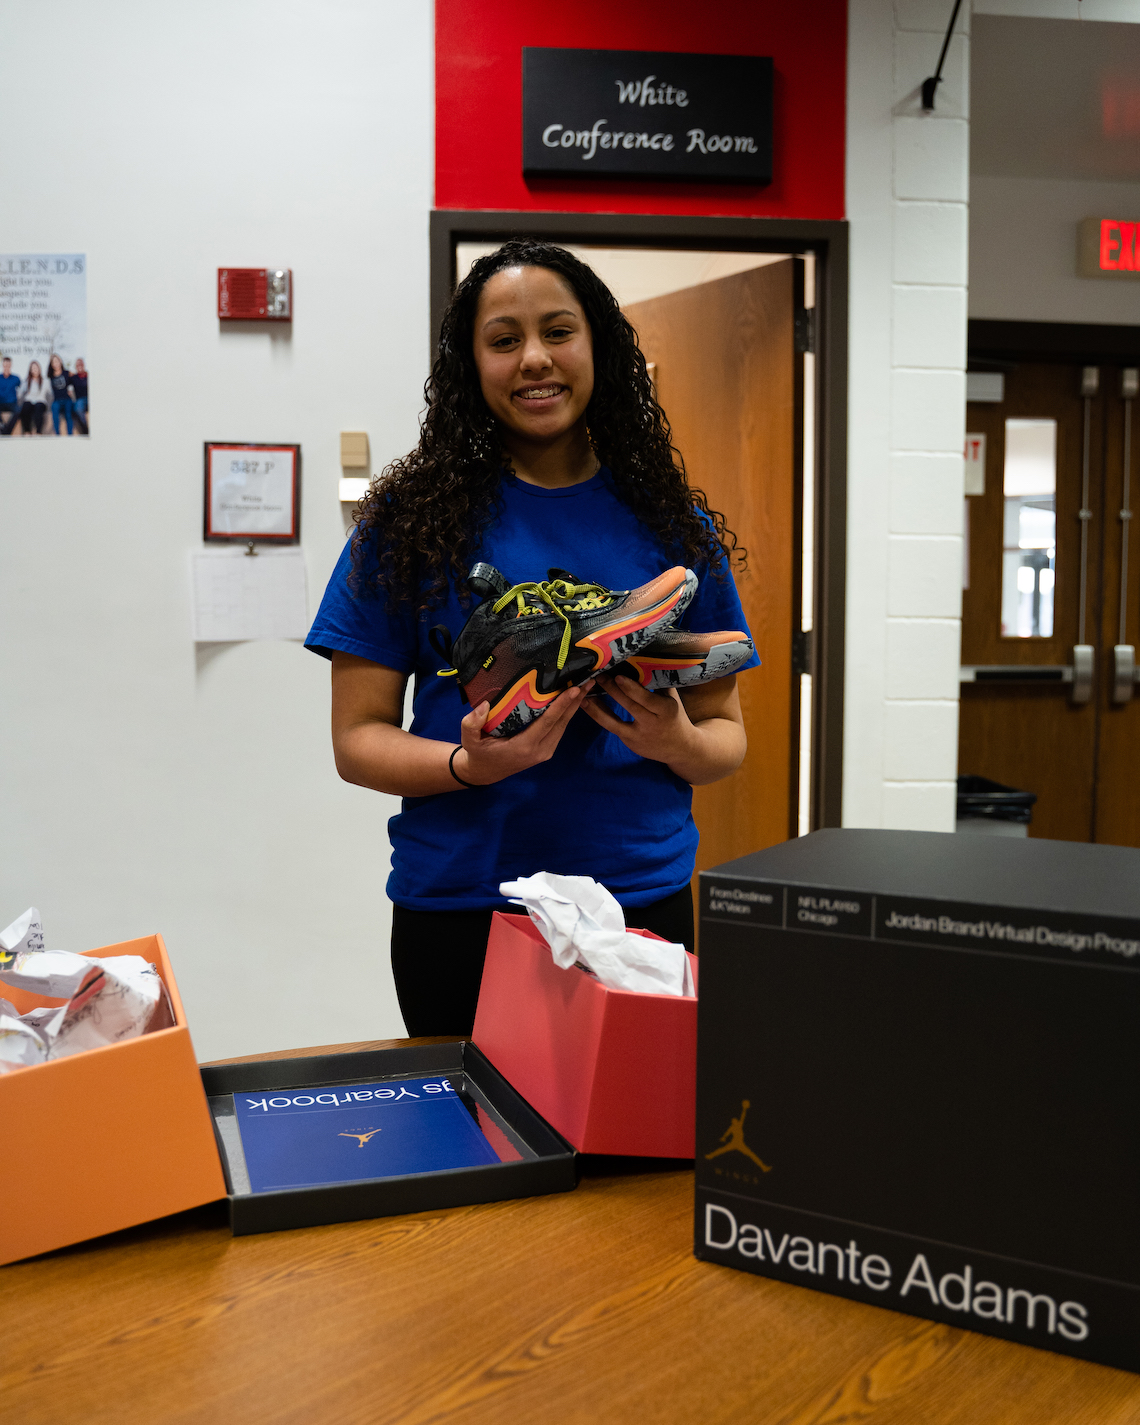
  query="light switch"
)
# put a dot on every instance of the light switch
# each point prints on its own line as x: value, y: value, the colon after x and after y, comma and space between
x: 354, y: 450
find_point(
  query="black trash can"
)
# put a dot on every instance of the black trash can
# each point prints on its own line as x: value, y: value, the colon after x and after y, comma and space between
x: 993, y: 809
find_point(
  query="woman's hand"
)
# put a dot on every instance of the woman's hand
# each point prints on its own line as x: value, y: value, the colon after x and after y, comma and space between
x: 485, y: 760
x: 372, y: 748
x: 700, y: 737
x: 660, y: 729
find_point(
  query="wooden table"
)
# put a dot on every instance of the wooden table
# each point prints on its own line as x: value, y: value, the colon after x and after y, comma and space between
x: 582, y: 1307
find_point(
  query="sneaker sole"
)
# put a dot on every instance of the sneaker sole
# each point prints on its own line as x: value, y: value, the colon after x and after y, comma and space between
x: 730, y: 652
x: 615, y: 643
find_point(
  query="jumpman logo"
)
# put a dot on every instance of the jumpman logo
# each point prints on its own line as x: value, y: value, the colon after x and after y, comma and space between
x: 733, y: 1139
x: 363, y: 1137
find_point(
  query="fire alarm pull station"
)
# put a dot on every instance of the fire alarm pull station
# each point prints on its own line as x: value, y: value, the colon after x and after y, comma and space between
x: 255, y: 294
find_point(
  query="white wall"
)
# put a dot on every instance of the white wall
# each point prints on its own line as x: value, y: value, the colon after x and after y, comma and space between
x: 907, y: 194
x: 144, y: 786
x: 1023, y: 250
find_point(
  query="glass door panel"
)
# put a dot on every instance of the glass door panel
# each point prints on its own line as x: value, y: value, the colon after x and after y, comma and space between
x: 1029, y: 542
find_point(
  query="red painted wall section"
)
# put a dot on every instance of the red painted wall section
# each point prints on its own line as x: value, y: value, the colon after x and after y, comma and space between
x: 478, y: 141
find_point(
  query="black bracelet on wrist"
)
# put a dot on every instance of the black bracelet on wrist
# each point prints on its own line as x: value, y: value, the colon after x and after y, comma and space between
x: 454, y: 773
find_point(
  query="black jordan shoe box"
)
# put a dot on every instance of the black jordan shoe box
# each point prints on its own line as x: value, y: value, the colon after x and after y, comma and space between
x: 938, y: 1038
x: 543, y: 1162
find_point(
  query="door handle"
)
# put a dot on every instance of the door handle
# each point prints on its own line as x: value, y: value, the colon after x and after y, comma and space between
x: 1084, y: 660
x: 1124, y: 654
x: 1090, y: 385
x: 1016, y: 673
x: 1123, y: 672
x: 1078, y: 674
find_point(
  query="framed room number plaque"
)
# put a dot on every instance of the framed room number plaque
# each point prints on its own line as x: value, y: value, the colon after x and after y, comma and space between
x: 252, y: 493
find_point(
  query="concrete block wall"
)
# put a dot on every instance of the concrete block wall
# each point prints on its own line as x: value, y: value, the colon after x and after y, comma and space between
x: 908, y: 192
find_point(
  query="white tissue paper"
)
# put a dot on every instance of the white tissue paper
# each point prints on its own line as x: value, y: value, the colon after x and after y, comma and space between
x: 108, y: 999
x: 583, y: 924
x: 20, y: 1044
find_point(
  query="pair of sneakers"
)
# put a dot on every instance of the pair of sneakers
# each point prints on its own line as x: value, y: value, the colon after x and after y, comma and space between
x: 526, y: 643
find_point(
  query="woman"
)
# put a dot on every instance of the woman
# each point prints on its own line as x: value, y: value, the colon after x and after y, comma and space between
x: 59, y: 379
x: 79, y: 387
x: 35, y: 394
x: 542, y: 448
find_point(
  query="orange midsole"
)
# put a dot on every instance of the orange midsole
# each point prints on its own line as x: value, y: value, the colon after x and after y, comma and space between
x: 526, y: 689
x: 599, y: 642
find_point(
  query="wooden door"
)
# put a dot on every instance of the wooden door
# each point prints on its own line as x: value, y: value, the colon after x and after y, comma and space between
x: 1031, y: 735
x: 726, y: 378
x: 1116, y: 810
x: 1078, y: 757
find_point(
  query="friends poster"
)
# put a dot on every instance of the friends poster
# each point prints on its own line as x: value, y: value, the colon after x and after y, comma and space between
x: 43, y: 345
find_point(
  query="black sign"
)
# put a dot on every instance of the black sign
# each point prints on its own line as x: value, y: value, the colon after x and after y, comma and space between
x: 633, y: 114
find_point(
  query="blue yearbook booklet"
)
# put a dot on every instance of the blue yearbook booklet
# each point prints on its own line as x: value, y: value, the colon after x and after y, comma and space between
x: 311, y: 1137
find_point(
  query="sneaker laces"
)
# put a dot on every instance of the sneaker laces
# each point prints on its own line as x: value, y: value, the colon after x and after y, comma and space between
x: 558, y: 596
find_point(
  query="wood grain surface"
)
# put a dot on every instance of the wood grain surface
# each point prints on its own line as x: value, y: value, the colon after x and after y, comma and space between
x: 581, y: 1307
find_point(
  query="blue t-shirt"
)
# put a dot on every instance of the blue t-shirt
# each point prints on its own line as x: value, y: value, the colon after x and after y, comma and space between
x: 9, y: 386
x: 596, y: 808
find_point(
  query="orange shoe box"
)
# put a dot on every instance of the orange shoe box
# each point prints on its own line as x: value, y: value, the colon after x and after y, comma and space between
x: 107, y: 1138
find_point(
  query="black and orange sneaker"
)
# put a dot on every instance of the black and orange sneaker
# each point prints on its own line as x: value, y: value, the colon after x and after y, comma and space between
x: 676, y: 658
x: 526, y: 643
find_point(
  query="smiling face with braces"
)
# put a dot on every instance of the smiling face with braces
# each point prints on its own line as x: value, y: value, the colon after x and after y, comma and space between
x: 534, y: 353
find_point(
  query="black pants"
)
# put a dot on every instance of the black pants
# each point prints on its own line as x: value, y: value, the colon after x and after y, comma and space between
x: 32, y: 415
x: 437, y: 958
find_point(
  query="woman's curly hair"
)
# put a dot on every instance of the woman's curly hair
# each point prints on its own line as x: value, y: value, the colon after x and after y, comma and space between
x: 418, y: 525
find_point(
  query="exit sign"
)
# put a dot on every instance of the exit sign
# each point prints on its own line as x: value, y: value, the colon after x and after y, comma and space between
x: 1108, y: 247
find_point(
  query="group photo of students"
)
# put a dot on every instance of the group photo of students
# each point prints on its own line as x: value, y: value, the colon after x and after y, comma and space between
x: 44, y: 401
